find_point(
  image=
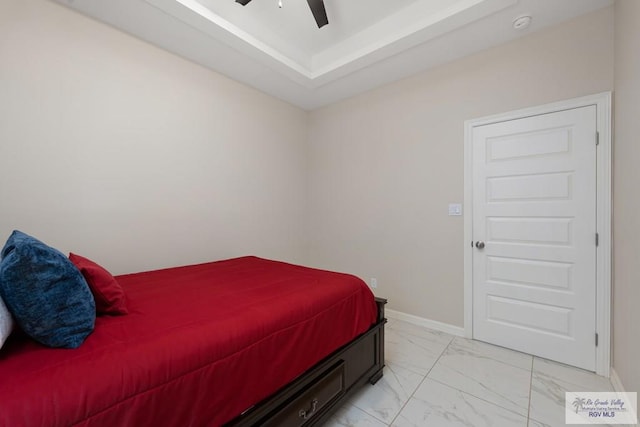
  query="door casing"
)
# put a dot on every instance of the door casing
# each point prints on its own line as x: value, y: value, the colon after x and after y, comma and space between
x: 602, y: 101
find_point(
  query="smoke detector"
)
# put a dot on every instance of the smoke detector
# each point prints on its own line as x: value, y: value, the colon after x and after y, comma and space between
x: 522, y: 22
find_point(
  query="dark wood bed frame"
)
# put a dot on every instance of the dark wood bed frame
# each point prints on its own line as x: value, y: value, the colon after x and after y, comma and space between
x: 314, y: 396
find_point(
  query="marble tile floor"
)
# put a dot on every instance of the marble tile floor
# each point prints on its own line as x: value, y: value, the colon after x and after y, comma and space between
x: 435, y: 379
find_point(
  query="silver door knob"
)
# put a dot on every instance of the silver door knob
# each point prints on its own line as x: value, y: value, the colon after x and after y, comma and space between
x: 480, y: 245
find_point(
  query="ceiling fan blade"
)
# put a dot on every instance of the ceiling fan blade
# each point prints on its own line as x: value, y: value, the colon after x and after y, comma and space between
x: 319, y: 12
x: 243, y: 2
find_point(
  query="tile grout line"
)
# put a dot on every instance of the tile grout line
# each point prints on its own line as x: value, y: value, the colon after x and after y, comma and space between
x: 389, y: 368
x: 479, y: 398
x: 421, y: 382
x: 410, y: 370
x: 529, y: 421
x: 488, y: 401
x: 456, y: 389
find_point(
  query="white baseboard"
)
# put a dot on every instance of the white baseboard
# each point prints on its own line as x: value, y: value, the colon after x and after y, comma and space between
x: 427, y: 323
x: 618, y: 387
x: 615, y: 381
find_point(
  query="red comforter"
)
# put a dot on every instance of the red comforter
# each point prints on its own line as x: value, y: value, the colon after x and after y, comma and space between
x: 201, y: 344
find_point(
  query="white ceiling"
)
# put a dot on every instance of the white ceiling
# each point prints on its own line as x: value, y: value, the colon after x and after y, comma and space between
x: 367, y: 43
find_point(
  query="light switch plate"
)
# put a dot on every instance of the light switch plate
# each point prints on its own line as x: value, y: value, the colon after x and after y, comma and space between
x: 455, y: 209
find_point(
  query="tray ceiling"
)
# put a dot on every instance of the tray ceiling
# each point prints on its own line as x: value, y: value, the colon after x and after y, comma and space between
x: 367, y: 43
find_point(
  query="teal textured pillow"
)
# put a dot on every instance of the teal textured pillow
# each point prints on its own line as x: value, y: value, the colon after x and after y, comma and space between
x: 45, y: 292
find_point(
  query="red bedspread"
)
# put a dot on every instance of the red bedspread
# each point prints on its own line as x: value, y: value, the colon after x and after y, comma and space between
x: 201, y: 344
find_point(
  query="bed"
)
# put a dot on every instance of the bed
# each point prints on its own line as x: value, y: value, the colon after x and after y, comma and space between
x: 240, y: 342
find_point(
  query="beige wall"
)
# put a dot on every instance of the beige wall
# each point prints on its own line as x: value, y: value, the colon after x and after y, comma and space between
x: 626, y: 199
x: 130, y: 155
x: 385, y: 165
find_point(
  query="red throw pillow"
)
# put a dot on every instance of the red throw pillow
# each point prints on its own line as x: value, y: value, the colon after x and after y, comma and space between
x: 109, y: 295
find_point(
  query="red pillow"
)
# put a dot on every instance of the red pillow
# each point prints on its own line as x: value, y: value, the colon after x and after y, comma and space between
x: 109, y: 295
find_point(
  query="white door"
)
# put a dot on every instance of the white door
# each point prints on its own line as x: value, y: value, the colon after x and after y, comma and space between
x: 534, y: 210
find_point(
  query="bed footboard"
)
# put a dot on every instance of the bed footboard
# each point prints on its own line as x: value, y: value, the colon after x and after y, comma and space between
x: 314, y: 396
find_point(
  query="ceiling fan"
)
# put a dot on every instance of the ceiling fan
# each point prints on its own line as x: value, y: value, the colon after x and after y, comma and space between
x: 316, y: 6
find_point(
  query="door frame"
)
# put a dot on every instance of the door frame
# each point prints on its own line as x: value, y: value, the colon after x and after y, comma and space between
x: 602, y: 101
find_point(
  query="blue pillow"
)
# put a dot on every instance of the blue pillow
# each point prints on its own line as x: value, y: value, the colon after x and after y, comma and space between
x: 45, y: 292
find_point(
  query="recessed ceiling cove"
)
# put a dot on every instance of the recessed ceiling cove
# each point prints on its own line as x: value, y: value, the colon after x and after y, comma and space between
x: 360, y: 33
x: 366, y: 43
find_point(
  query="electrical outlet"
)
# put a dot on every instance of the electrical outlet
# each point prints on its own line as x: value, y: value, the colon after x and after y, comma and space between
x: 374, y: 282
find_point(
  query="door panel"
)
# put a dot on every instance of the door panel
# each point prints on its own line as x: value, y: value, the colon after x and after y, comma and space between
x: 550, y: 231
x: 530, y: 273
x: 521, y: 188
x: 541, y: 318
x: 534, y: 207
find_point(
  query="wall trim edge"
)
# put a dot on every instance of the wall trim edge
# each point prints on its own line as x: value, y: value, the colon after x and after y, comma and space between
x: 427, y: 323
x: 616, y: 382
